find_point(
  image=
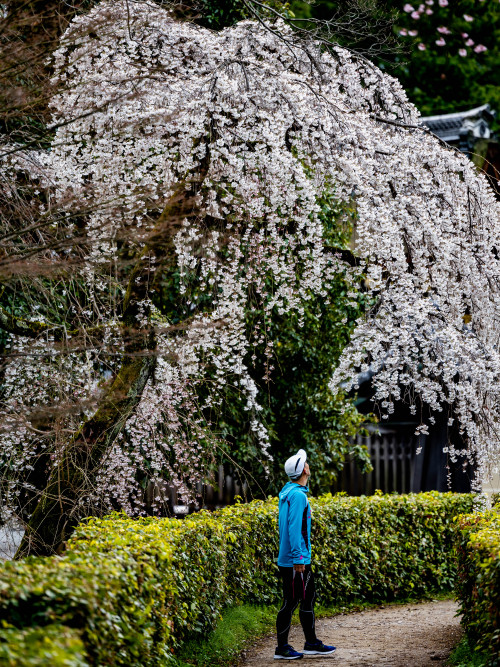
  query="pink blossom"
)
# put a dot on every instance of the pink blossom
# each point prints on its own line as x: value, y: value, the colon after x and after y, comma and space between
x: 468, y: 18
x: 462, y: 52
x: 403, y: 32
x: 429, y: 12
x: 421, y: 8
x: 421, y: 47
x: 443, y: 30
x: 469, y: 42
x: 480, y: 48
x: 429, y: 2
x: 441, y: 41
x: 465, y: 35
x: 443, y: 3
x: 408, y: 8
x: 413, y: 33
x: 415, y: 15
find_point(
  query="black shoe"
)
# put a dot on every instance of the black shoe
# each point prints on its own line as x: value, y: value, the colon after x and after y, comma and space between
x: 318, y: 649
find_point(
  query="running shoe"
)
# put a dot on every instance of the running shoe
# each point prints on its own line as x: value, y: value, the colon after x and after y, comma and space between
x: 287, y: 652
x: 318, y: 649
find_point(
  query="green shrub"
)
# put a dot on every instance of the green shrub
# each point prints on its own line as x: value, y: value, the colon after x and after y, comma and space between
x: 51, y: 646
x: 135, y: 589
x: 464, y: 655
x: 478, y: 583
x: 386, y: 547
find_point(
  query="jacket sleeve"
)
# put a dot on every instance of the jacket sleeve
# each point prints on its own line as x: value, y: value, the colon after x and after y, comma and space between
x: 298, y: 503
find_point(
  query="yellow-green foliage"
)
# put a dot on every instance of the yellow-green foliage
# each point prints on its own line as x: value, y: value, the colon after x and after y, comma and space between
x: 478, y: 584
x: 50, y: 646
x: 134, y: 589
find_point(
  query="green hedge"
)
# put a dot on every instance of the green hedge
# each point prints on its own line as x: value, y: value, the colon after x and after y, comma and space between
x: 50, y: 646
x: 134, y: 589
x: 478, y: 582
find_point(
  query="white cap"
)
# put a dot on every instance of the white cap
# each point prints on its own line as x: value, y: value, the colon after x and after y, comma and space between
x: 295, y: 464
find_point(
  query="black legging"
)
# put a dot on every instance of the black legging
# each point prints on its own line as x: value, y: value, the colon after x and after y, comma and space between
x: 298, y: 588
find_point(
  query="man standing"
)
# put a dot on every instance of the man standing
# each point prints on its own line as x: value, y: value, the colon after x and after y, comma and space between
x: 294, y: 561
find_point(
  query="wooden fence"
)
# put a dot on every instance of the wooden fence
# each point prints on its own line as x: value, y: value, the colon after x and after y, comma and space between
x: 396, y: 464
x: 396, y: 467
x: 224, y: 491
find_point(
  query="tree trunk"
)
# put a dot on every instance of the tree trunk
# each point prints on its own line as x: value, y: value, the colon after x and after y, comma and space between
x: 58, y: 509
x: 57, y: 514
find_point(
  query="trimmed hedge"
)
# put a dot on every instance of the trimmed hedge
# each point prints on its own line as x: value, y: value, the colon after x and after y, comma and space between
x: 50, y: 646
x: 478, y: 583
x: 134, y: 589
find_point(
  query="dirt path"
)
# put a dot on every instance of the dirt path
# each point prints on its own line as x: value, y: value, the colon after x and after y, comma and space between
x: 414, y: 635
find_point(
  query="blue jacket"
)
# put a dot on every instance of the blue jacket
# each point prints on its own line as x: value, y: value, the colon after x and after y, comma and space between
x: 295, y: 525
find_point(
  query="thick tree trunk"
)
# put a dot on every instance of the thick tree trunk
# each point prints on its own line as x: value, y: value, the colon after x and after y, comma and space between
x: 57, y: 512
x: 58, y: 509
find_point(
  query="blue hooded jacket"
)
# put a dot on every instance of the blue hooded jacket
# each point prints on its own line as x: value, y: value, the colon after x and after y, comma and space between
x: 295, y: 525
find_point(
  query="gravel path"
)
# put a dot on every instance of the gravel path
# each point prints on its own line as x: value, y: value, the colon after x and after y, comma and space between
x: 413, y: 635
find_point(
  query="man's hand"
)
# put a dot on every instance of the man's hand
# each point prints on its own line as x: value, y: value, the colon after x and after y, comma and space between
x: 298, y: 567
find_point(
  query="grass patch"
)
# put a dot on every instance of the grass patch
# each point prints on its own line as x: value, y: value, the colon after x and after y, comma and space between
x: 241, y: 626
x: 237, y: 627
x: 463, y: 655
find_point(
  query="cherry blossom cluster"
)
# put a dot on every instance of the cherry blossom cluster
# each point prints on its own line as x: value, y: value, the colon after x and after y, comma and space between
x: 164, y: 438
x: 45, y: 396
x: 257, y: 125
x: 451, y: 29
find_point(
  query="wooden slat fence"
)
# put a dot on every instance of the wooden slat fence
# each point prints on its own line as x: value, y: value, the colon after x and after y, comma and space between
x: 227, y: 485
x: 396, y: 467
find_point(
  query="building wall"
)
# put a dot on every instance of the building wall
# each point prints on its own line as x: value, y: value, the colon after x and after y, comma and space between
x: 492, y: 486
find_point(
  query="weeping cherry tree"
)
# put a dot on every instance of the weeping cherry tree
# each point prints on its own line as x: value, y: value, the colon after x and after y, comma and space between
x: 191, y: 161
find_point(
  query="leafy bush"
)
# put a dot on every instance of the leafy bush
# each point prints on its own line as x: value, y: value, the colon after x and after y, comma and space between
x: 136, y: 588
x: 478, y: 587
x: 51, y: 646
x: 463, y: 655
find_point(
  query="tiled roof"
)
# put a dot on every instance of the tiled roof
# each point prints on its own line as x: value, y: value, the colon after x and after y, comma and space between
x: 451, y: 127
